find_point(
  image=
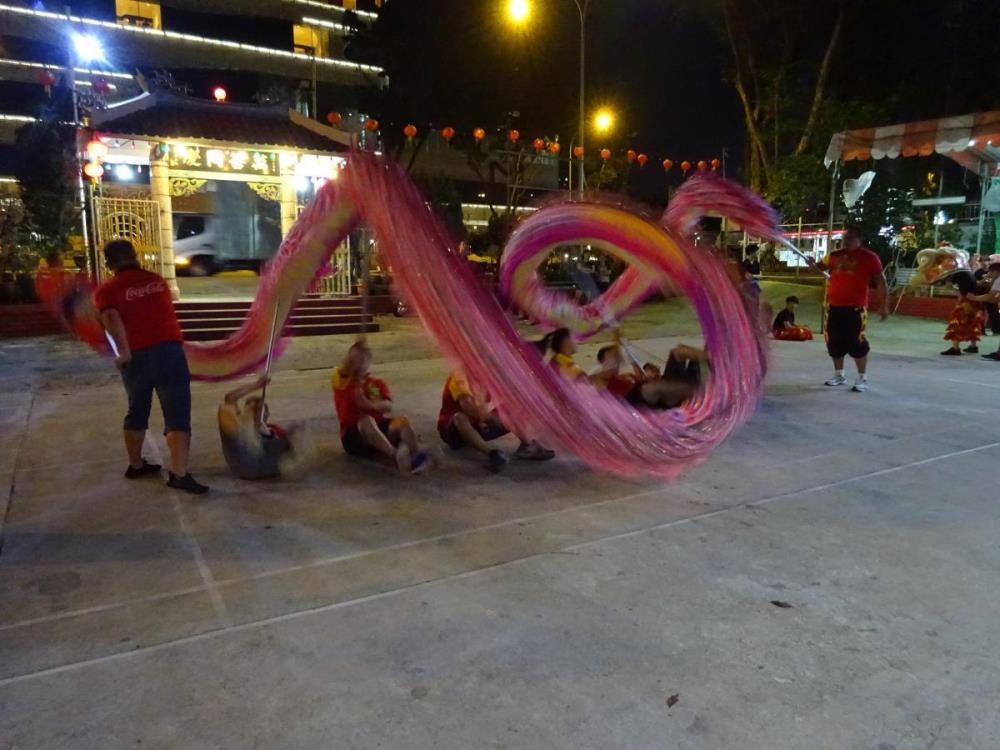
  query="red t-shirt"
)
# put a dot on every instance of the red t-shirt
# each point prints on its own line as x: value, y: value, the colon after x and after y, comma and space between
x: 850, y: 273
x: 345, y: 402
x: 621, y: 385
x: 143, y: 301
x: 455, y: 387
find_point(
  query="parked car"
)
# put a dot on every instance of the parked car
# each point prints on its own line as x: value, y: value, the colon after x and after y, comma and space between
x: 194, y: 245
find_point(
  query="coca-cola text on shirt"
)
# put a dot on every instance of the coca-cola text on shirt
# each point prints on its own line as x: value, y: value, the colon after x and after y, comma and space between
x: 138, y: 292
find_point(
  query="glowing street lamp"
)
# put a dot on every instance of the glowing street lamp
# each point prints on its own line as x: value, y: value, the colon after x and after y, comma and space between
x: 604, y: 120
x: 88, y: 48
x: 518, y: 11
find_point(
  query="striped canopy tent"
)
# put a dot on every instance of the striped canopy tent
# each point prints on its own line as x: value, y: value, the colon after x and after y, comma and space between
x: 971, y: 140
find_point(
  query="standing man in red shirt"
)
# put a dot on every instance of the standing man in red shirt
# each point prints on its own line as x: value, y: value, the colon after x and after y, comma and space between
x: 138, y: 313
x: 852, y: 269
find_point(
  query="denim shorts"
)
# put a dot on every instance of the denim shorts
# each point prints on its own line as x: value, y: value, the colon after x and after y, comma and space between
x: 162, y: 368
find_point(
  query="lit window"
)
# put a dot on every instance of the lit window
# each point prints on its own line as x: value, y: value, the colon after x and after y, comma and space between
x: 310, y: 40
x: 137, y: 13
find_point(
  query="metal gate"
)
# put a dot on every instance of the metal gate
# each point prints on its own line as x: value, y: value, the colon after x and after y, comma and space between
x: 132, y: 219
x: 339, y: 281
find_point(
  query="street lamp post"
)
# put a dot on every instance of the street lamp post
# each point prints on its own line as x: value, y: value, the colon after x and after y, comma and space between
x: 83, y: 48
x: 582, y: 6
x: 518, y: 11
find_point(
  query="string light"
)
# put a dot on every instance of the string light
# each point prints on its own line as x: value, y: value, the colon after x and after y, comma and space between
x: 174, y: 35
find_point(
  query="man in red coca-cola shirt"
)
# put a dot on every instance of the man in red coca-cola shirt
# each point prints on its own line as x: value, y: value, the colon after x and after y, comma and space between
x: 138, y: 313
x: 852, y: 270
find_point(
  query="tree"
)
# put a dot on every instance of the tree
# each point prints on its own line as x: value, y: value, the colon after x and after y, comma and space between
x: 781, y: 95
x: 48, y: 178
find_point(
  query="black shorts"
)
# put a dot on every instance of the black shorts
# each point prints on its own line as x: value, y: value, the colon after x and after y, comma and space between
x: 488, y: 431
x: 844, y: 331
x: 162, y: 368
x: 355, y: 444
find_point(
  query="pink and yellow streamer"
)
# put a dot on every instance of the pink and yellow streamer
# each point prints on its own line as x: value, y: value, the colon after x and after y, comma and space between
x: 471, y: 327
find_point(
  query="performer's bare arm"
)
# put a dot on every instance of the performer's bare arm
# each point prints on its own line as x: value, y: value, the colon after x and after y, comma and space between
x: 113, y: 324
x: 245, y: 390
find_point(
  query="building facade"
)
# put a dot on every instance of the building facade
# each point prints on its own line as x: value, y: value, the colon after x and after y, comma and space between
x: 289, y: 52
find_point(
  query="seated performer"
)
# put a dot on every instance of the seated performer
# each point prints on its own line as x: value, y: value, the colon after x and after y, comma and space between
x: 784, y: 327
x: 363, y: 405
x: 467, y: 418
x: 252, y: 446
x: 680, y: 380
x: 560, y: 342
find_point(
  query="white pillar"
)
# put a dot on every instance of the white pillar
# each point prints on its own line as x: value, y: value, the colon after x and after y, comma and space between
x: 289, y: 203
x: 159, y: 181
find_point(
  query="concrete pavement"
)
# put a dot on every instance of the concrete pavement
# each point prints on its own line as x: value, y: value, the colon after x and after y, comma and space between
x: 547, y: 607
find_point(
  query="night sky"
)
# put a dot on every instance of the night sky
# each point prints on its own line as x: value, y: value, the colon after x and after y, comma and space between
x: 662, y: 71
x: 662, y: 65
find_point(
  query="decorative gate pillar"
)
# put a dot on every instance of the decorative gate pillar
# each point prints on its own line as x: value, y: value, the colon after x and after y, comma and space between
x: 159, y: 182
x: 289, y: 203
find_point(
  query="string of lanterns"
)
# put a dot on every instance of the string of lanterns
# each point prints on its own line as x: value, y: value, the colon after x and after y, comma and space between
x: 96, y: 151
x: 541, y: 144
x: 47, y: 78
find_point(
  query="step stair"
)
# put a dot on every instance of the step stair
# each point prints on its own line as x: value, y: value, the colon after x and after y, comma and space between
x: 311, y: 316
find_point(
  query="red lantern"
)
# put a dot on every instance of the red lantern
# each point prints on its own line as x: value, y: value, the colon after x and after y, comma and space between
x: 410, y: 131
x: 371, y: 125
x: 101, y: 86
x: 642, y: 159
x: 93, y: 171
x: 479, y: 134
x: 578, y: 152
x: 554, y: 148
x: 605, y: 153
x: 539, y: 145
x: 46, y: 78
x: 448, y: 133
x: 668, y: 164
x: 702, y: 165
x: 630, y: 155
x: 715, y: 164
x: 334, y: 118
x: 97, y: 149
x: 514, y: 136
x: 685, y: 166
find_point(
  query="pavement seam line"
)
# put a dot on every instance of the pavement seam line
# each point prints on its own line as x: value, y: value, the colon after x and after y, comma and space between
x: 218, y: 603
x: 433, y: 540
x: 783, y: 496
x: 11, y: 491
x: 208, y: 580
x: 291, y: 616
x: 96, y: 609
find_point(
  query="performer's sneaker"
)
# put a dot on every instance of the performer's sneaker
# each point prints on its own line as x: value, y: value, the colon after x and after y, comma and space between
x: 953, y: 352
x: 532, y: 451
x: 836, y: 380
x: 186, y: 483
x: 995, y: 356
x: 971, y: 349
x: 145, y: 470
x: 422, y: 461
x: 498, y: 459
x: 860, y: 385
